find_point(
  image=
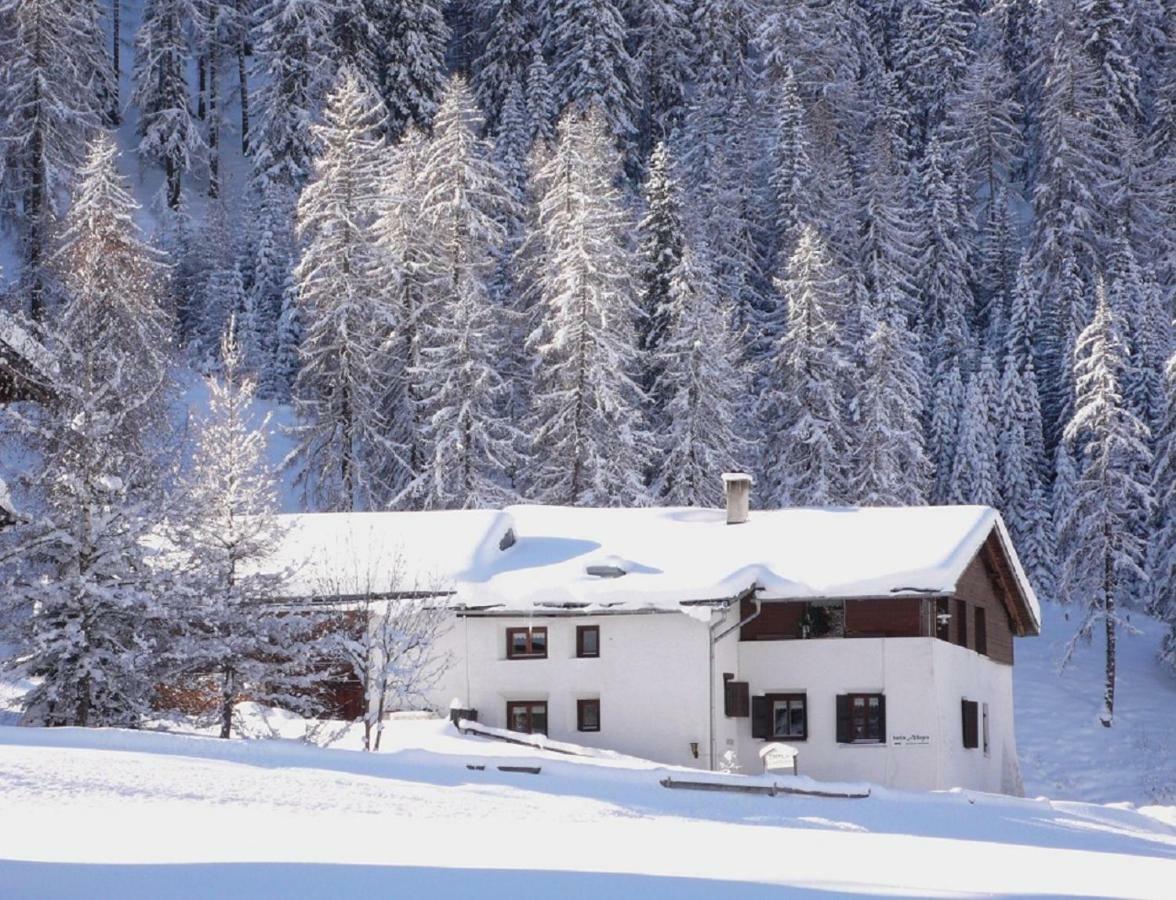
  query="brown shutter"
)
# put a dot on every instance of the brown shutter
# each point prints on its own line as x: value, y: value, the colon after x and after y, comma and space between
x: 970, y: 710
x: 844, y: 720
x: 981, y: 632
x: 882, y: 718
x: 736, y: 699
x: 761, y: 717
x: 961, y: 617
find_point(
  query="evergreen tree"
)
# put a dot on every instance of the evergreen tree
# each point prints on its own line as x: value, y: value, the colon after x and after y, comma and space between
x: 661, y: 254
x: 228, y: 528
x: 52, y: 52
x: 342, y: 434
x: 591, y: 64
x: 464, y: 201
x: 588, y: 443
x: 541, y: 103
x: 974, y: 475
x: 704, y: 389
x: 82, y: 595
x: 508, y: 54
x: 413, y: 37
x: 1103, y: 556
x: 168, y: 135
x: 661, y: 59
x: 890, y: 463
x: 293, y: 66
x: 1162, y: 561
x: 807, y: 444
x: 1021, y: 444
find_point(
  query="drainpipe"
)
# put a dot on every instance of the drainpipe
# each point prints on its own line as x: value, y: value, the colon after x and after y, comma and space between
x: 750, y: 593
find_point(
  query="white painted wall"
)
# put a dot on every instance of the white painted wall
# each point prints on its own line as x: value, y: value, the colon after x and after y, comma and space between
x: 651, y: 679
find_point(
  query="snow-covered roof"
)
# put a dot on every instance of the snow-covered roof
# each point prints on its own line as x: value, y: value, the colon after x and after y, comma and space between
x: 384, y: 552
x: 538, y: 558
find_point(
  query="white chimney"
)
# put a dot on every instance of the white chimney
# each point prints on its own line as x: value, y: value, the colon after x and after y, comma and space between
x: 737, y: 486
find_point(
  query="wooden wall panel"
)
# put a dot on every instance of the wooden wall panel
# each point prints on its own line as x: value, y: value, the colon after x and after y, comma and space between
x: 979, y: 587
x: 885, y: 617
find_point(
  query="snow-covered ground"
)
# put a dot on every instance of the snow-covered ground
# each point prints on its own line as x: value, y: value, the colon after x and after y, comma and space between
x: 1065, y: 752
x: 126, y: 814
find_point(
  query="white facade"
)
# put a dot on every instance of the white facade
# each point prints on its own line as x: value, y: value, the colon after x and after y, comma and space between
x: 651, y: 681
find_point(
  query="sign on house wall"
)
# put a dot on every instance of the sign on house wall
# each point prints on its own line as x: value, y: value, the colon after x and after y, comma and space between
x: 910, y: 740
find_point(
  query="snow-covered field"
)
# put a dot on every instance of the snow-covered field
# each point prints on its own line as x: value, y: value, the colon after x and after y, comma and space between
x: 140, y: 814
x: 123, y: 814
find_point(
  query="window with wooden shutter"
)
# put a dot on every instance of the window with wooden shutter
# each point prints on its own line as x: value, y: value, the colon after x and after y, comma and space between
x: 981, y: 638
x: 844, y: 720
x: 970, y: 710
x: 736, y: 699
x: 761, y: 717
x: 961, y: 620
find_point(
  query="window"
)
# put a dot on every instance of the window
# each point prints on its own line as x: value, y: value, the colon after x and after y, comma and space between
x: 861, y: 719
x: 970, y: 710
x: 587, y: 641
x: 526, y: 643
x: 961, y: 618
x: 527, y: 716
x: 780, y: 717
x: 588, y: 715
x: 942, y: 620
x: 981, y: 632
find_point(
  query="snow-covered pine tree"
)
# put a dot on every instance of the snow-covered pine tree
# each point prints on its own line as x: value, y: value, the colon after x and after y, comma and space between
x: 1162, y: 562
x: 82, y: 596
x: 983, y: 121
x: 227, y: 527
x: 1020, y: 441
x: 220, y: 289
x: 661, y: 254
x: 51, y: 109
x: 342, y: 433
x: 591, y: 65
x: 464, y: 201
x: 806, y: 442
x: 890, y: 463
x: 944, y: 279
x: 511, y: 35
x: 1103, y: 556
x: 1071, y: 171
x: 168, y: 135
x: 589, y: 446
x: 931, y: 54
x: 272, y: 246
x: 292, y: 73
x: 407, y: 269
x: 704, y: 390
x: 541, y: 102
x: 662, y: 45
x: 1163, y: 546
x: 790, y: 180
x: 412, y: 40
x: 974, y: 473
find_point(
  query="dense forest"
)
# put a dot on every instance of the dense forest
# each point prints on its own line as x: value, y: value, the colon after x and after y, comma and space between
x: 596, y: 252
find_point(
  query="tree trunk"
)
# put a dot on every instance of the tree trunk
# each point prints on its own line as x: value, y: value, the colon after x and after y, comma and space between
x: 85, y: 701
x: 243, y: 78
x: 213, y: 129
x: 172, y: 174
x: 1108, y: 713
x: 201, y: 66
x: 228, y: 693
x: 115, y: 56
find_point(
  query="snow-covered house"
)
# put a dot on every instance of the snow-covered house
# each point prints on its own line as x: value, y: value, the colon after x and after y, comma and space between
x: 878, y: 642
